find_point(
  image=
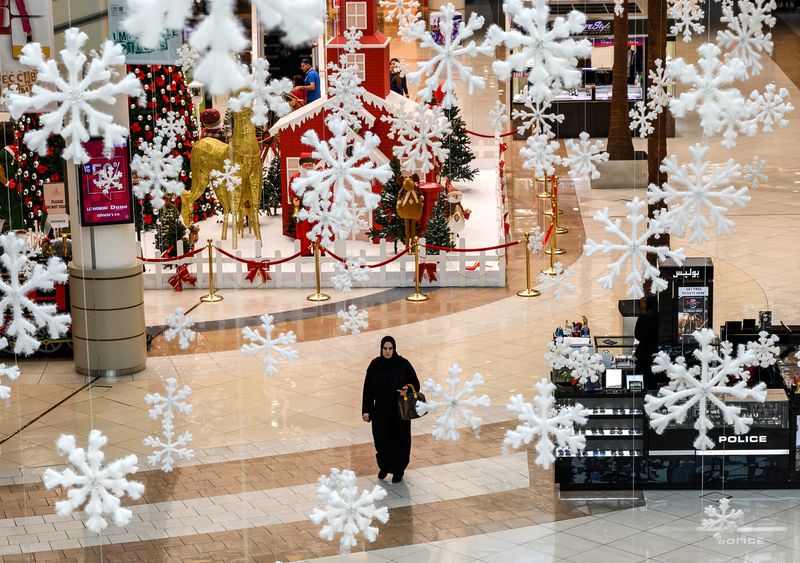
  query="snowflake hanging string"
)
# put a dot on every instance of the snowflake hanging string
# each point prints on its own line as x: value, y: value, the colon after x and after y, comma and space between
x: 10, y: 372
x: 457, y: 400
x: 540, y: 420
x: 704, y: 385
x: 419, y: 134
x: 583, y: 156
x: 339, y: 196
x: 274, y: 348
x: 688, y: 18
x: 157, y: 170
x: 541, y: 48
x: 540, y: 155
x: 745, y: 35
x: 634, y: 249
x: 168, y: 451
x: 228, y: 178
x: 108, y: 178
x: 557, y: 284
x: 180, y: 326
x: 754, y: 173
x: 768, y: 109
x: 348, y: 511
x: 721, y: 519
x: 353, y: 270
x: 765, y: 349
x: 22, y: 277
x: 76, y: 96
x: 99, y: 487
x: 538, y: 117
x: 442, y: 69
x: 698, y: 194
x: 354, y: 320
x: 262, y: 94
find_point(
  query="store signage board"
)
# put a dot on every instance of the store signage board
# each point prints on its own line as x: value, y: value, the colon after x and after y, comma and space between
x: 112, y: 206
x: 21, y: 22
x: 165, y: 53
x: 55, y: 201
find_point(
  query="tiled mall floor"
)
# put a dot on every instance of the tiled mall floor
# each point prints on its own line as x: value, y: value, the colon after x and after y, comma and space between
x: 261, y: 442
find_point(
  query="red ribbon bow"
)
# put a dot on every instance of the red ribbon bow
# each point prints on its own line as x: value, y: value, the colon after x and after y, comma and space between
x: 503, y: 148
x: 258, y: 269
x: 181, y: 276
x: 427, y: 270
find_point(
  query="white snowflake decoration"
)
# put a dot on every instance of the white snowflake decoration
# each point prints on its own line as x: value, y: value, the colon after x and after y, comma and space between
x: 536, y: 240
x: 658, y: 98
x: 180, y: 326
x: 274, y: 348
x: 76, y: 95
x: 769, y: 109
x: 107, y: 179
x: 704, y: 385
x: 754, y: 173
x: 537, y: 118
x: 619, y: 7
x: 187, y: 57
x: 338, y: 197
x: 157, y: 171
x: 346, y: 94
x: 442, y: 69
x: 148, y: 19
x: 558, y: 353
x: 498, y: 117
x: 262, y: 95
x: 688, y: 18
x: 634, y: 249
x: 227, y: 178
x: 419, y: 135
x: 540, y: 47
x: 11, y: 372
x: 765, y: 349
x: 583, y: 156
x: 166, y: 452
x: 401, y: 10
x: 745, y: 35
x: 698, y: 195
x: 171, y: 126
x: 540, y: 155
x: 541, y: 419
x: 99, y: 487
x: 557, y: 284
x: 721, y: 519
x: 353, y: 270
x: 641, y: 119
x: 585, y: 366
x: 457, y: 399
x: 21, y: 277
x: 354, y: 320
x: 352, y: 39
x: 348, y: 511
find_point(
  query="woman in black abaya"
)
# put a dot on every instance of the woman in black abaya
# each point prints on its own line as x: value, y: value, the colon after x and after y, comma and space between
x: 388, y: 377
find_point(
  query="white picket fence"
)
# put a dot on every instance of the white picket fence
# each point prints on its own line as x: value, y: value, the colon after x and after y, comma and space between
x: 487, y: 269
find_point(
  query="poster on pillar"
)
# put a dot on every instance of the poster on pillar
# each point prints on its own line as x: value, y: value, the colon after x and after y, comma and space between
x: 22, y: 22
x: 105, y: 188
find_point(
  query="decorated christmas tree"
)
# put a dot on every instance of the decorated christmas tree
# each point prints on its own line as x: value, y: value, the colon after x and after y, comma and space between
x: 457, y: 166
x: 437, y: 231
x: 387, y: 224
x: 271, y: 194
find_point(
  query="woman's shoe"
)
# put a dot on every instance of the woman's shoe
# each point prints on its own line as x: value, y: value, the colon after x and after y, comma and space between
x: 397, y: 477
x: 382, y: 474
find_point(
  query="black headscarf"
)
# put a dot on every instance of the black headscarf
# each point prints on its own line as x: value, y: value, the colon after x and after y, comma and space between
x: 394, y: 357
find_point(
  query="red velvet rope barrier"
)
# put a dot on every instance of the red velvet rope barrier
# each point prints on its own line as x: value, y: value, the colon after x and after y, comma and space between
x: 265, y: 262
x: 447, y: 249
x: 484, y: 136
x: 547, y: 236
x: 332, y: 255
x: 194, y: 252
x: 378, y: 265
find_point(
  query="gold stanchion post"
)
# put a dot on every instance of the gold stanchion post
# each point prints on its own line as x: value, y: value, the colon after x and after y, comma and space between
x: 212, y: 296
x: 554, y: 248
x: 317, y: 295
x: 528, y: 291
x: 545, y: 194
x: 417, y: 296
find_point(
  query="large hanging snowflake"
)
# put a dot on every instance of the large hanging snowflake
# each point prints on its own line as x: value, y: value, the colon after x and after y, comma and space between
x: 354, y: 320
x: 348, y: 511
x: 765, y: 349
x: 583, y: 156
x: 442, y: 68
x: 353, y: 270
x: 21, y: 278
x: 11, y: 372
x: 634, y: 249
x: 419, y: 135
x: 557, y: 284
x: 148, y: 19
x: 658, y: 98
x: 180, y: 326
x: 157, y: 171
x: 705, y: 386
x: 172, y: 125
x: 346, y: 94
x: 720, y: 109
x: 107, y: 179
x: 745, y: 35
x: 540, y: 47
x: 721, y: 519
x: 769, y: 109
x: 227, y: 178
x: 262, y: 95
x: 540, y: 155
x: 557, y: 354
x: 402, y: 10
x: 754, y: 173
x: 585, y: 366
x: 99, y: 487
x: 538, y: 118
x: 338, y: 197
x: 698, y: 195
x: 688, y: 18
x: 75, y: 95
x: 218, y: 38
x: 166, y: 452
x: 641, y: 119
x: 274, y: 348
x: 457, y: 399
x: 542, y: 421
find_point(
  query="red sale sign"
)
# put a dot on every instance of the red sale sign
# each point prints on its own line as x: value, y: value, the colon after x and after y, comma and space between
x: 105, y: 186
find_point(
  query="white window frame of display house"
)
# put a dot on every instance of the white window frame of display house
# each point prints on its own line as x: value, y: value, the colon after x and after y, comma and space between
x: 359, y: 60
x: 356, y: 15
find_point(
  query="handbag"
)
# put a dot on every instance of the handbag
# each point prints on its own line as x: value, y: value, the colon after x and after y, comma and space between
x: 408, y: 404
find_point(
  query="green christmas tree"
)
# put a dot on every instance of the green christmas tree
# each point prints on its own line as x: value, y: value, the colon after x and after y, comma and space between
x: 437, y: 231
x: 169, y: 230
x: 271, y: 194
x: 387, y: 224
x: 457, y: 166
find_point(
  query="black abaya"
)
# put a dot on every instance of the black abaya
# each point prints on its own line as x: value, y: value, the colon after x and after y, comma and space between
x: 392, y: 435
